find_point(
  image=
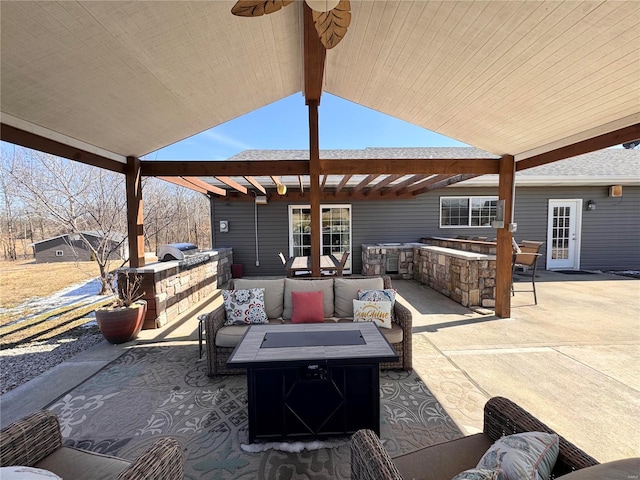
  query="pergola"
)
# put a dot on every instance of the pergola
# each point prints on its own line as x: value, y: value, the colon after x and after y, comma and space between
x: 531, y: 82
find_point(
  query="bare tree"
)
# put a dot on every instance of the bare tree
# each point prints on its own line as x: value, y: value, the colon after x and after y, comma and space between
x: 76, y: 198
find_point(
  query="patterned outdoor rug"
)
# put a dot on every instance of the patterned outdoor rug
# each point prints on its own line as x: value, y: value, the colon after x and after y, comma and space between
x: 152, y: 391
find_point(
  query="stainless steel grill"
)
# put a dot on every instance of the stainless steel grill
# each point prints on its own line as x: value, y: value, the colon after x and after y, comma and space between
x: 187, y: 254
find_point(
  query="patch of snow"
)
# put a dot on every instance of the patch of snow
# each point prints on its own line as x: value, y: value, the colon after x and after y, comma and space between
x: 295, y: 447
x: 84, y: 292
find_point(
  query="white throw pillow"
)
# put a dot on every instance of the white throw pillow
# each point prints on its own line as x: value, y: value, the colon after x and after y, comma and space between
x: 244, y: 307
x: 27, y: 473
x: 376, y: 312
x: 522, y: 456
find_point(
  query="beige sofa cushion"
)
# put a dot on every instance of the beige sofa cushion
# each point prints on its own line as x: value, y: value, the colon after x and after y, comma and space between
x: 445, y: 460
x: 230, y: 335
x: 297, y: 285
x: 70, y: 463
x: 625, y: 469
x: 273, y: 293
x: 346, y: 291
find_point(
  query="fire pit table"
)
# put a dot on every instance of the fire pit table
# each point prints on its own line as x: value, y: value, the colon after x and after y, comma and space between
x: 312, y: 380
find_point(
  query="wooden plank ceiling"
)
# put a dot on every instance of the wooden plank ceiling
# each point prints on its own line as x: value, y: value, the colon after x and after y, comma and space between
x: 101, y: 82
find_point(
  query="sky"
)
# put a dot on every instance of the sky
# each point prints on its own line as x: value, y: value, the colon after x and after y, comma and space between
x: 283, y: 125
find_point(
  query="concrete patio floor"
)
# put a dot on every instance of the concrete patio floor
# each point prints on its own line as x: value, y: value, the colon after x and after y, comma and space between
x: 572, y: 360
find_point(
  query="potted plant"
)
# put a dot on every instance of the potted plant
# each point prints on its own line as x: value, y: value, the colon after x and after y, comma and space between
x: 122, y: 320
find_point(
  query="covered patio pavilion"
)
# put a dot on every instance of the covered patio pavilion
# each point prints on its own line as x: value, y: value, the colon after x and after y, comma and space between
x: 530, y: 82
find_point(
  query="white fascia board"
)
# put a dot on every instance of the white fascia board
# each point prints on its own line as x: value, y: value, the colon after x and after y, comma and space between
x: 536, y: 181
x: 59, y: 137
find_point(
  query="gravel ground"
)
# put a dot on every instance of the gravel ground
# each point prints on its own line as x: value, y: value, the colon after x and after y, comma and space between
x: 21, y: 364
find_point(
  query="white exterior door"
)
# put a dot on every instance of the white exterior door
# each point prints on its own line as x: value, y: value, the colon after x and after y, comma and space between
x: 563, y: 234
x: 336, y: 231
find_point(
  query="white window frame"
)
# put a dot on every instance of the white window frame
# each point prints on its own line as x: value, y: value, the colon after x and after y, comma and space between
x: 328, y: 205
x: 470, y: 199
x: 59, y: 253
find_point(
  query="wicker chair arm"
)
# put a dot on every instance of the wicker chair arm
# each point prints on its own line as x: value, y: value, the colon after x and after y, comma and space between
x: 404, y: 318
x: 212, y: 323
x: 162, y: 460
x: 369, y: 459
x: 29, y: 440
x: 504, y: 417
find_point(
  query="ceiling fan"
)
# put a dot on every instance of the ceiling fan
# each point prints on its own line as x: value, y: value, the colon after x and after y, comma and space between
x: 331, y: 17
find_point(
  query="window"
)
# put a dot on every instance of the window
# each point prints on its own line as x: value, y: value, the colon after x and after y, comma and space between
x: 59, y: 253
x: 467, y: 211
x: 336, y: 231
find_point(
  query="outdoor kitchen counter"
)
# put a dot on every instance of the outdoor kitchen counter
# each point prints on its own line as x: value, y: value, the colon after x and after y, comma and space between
x: 171, y: 288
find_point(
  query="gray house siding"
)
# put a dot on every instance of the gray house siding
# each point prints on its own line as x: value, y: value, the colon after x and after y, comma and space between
x: 610, y: 234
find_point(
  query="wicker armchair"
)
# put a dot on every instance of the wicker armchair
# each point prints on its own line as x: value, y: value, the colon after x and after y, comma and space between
x: 36, y: 441
x: 370, y: 461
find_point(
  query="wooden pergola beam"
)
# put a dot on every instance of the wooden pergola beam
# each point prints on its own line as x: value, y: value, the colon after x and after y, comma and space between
x: 233, y: 184
x: 367, y: 180
x: 229, y: 168
x: 504, y: 250
x: 314, y: 58
x: 37, y: 142
x: 241, y: 168
x: 257, y: 185
x: 425, y: 166
x: 207, y: 186
x: 402, y: 185
x: 384, y: 182
x: 135, y: 218
x: 183, y: 183
x: 341, y: 185
x: 617, y: 137
x: 445, y: 182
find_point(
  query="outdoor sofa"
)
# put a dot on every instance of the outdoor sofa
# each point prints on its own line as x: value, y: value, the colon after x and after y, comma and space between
x: 338, y: 295
x: 370, y: 460
x: 36, y: 441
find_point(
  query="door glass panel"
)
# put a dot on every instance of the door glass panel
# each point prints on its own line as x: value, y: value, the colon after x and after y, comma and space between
x: 301, y: 231
x: 560, y: 241
x: 335, y: 235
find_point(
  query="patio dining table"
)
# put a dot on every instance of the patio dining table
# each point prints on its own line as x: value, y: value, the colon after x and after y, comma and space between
x: 328, y: 264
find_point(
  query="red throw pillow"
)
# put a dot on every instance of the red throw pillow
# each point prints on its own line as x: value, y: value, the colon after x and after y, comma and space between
x: 307, y: 307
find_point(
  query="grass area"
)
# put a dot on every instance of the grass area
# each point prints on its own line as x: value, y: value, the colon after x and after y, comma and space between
x: 24, y: 279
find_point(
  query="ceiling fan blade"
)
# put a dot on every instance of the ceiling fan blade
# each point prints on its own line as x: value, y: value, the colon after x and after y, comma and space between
x: 256, y: 8
x: 332, y: 25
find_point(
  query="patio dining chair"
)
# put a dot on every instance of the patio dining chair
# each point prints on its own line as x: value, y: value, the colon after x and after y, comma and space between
x: 526, y: 258
x: 283, y: 259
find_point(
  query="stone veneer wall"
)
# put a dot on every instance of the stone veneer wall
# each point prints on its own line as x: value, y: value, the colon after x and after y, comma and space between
x: 488, y: 248
x: 171, y: 290
x: 466, y: 277
x: 374, y: 256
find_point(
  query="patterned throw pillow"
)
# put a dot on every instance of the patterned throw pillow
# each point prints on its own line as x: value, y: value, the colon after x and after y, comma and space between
x: 526, y: 456
x: 376, y: 312
x: 26, y: 473
x: 244, y: 307
x: 477, y: 474
x: 387, y: 295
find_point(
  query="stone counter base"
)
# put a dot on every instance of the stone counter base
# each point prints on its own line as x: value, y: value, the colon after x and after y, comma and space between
x: 466, y: 277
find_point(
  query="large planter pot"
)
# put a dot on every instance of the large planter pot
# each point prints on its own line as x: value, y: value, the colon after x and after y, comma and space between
x: 120, y: 325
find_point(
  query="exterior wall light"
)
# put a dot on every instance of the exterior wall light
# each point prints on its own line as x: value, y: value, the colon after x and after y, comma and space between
x: 591, y: 205
x: 281, y: 189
